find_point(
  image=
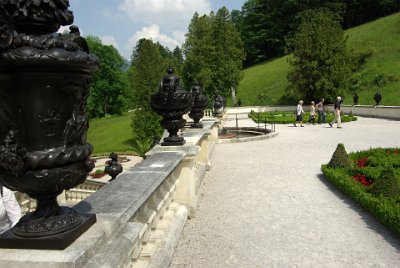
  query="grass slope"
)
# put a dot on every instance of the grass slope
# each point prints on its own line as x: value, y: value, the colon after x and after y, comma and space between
x: 380, y: 38
x: 111, y: 134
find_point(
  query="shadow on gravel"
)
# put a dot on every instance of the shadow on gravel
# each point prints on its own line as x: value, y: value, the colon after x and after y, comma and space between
x: 372, y: 223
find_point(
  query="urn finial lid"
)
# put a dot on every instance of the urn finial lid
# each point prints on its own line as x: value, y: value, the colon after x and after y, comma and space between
x: 37, y: 16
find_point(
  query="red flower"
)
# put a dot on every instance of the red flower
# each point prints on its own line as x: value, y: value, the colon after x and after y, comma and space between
x: 362, y: 163
x: 396, y: 152
x: 361, y: 178
x: 387, y: 152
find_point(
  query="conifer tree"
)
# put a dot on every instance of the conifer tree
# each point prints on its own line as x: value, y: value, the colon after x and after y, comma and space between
x: 148, y: 67
x: 321, y: 65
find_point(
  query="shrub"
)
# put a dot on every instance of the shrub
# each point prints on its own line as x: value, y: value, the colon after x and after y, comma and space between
x: 387, y: 184
x: 339, y: 157
x: 374, y: 184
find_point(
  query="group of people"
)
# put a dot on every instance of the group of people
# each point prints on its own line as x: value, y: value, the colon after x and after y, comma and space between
x: 319, y: 107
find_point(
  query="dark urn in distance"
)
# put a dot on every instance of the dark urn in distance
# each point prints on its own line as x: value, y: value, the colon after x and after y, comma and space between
x: 218, y: 105
x: 113, y: 167
x: 200, y: 102
x: 172, y: 102
x: 355, y: 99
x: 44, y: 85
x: 377, y: 98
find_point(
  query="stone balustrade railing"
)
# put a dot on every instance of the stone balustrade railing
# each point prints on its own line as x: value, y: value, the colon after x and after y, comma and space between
x: 81, y: 192
x: 208, y: 113
x: 140, y: 215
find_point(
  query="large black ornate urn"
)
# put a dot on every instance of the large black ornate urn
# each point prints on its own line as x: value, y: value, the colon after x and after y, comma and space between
x: 44, y: 84
x: 172, y: 102
x: 200, y: 102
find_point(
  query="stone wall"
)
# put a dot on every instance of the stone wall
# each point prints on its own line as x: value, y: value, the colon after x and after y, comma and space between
x: 140, y: 215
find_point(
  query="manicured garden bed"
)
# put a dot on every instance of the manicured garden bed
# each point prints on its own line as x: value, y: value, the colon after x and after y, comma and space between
x: 289, y: 117
x: 372, y: 179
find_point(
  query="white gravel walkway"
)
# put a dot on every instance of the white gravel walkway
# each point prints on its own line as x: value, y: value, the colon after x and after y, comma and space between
x: 266, y: 204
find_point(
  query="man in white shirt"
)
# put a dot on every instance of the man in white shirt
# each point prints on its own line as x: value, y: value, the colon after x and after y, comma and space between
x: 10, y: 211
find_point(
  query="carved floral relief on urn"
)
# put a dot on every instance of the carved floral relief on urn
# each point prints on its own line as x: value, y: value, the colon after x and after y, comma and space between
x: 172, y: 102
x: 44, y: 85
x: 200, y: 102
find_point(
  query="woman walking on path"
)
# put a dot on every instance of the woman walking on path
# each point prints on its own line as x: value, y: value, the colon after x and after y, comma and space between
x: 321, y: 112
x: 312, y: 113
x: 299, y: 114
x: 337, y: 113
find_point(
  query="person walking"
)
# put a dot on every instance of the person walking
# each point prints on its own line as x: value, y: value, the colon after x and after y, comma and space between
x: 321, y: 112
x: 337, y: 113
x: 10, y: 211
x: 312, y: 113
x: 299, y: 114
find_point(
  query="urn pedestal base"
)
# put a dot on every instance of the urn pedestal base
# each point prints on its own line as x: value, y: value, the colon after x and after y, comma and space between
x: 173, y: 141
x: 60, y: 241
x: 197, y: 125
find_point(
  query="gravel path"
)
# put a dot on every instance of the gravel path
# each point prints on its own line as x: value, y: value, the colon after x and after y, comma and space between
x: 266, y: 204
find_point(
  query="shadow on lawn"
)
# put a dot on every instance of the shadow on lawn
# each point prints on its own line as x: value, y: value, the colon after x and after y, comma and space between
x: 372, y: 222
x: 129, y: 142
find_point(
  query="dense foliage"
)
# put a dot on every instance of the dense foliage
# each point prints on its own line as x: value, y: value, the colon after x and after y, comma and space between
x: 321, y: 65
x: 375, y: 46
x: 373, y: 181
x: 213, y: 53
x: 148, y: 67
x: 265, y: 24
x: 109, y: 90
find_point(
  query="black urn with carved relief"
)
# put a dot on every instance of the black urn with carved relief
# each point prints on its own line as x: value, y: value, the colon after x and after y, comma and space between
x: 44, y: 85
x: 200, y: 102
x: 113, y: 167
x: 172, y: 102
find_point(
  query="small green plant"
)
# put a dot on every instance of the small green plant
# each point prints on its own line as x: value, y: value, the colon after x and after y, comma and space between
x: 142, y: 147
x: 340, y: 158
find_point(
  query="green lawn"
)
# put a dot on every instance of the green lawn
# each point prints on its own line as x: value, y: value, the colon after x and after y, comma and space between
x: 380, y: 38
x: 111, y: 134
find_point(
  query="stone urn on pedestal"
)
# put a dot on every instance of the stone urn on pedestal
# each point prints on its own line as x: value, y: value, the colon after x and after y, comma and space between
x: 113, y: 167
x: 172, y: 102
x: 200, y: 102
x: 218, y: 105
x: 44, y: 85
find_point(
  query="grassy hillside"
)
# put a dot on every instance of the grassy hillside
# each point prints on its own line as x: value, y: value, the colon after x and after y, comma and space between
x: 111, y: 134
x: 380, y: 39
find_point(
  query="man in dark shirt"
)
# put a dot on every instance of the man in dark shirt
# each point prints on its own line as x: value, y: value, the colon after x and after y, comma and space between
x: 336, y: 111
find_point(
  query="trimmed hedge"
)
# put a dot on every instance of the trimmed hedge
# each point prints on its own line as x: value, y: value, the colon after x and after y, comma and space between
x: 339, y: 157
x: 382, y: 197
x: 289, y: 117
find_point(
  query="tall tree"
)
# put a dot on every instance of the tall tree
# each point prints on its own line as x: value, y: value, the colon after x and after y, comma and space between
x: 320, y: 66
x: 109, y: 88
x: 214, y: 52
x: 266, y: 23
x: 148, y: 66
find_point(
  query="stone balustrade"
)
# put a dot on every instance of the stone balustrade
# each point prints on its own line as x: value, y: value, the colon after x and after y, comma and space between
x: 140, y: 215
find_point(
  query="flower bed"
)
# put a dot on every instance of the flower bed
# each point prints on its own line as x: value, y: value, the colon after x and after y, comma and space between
x: 372, y: 180
x: 289, y: 117
x: 97, y: 174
